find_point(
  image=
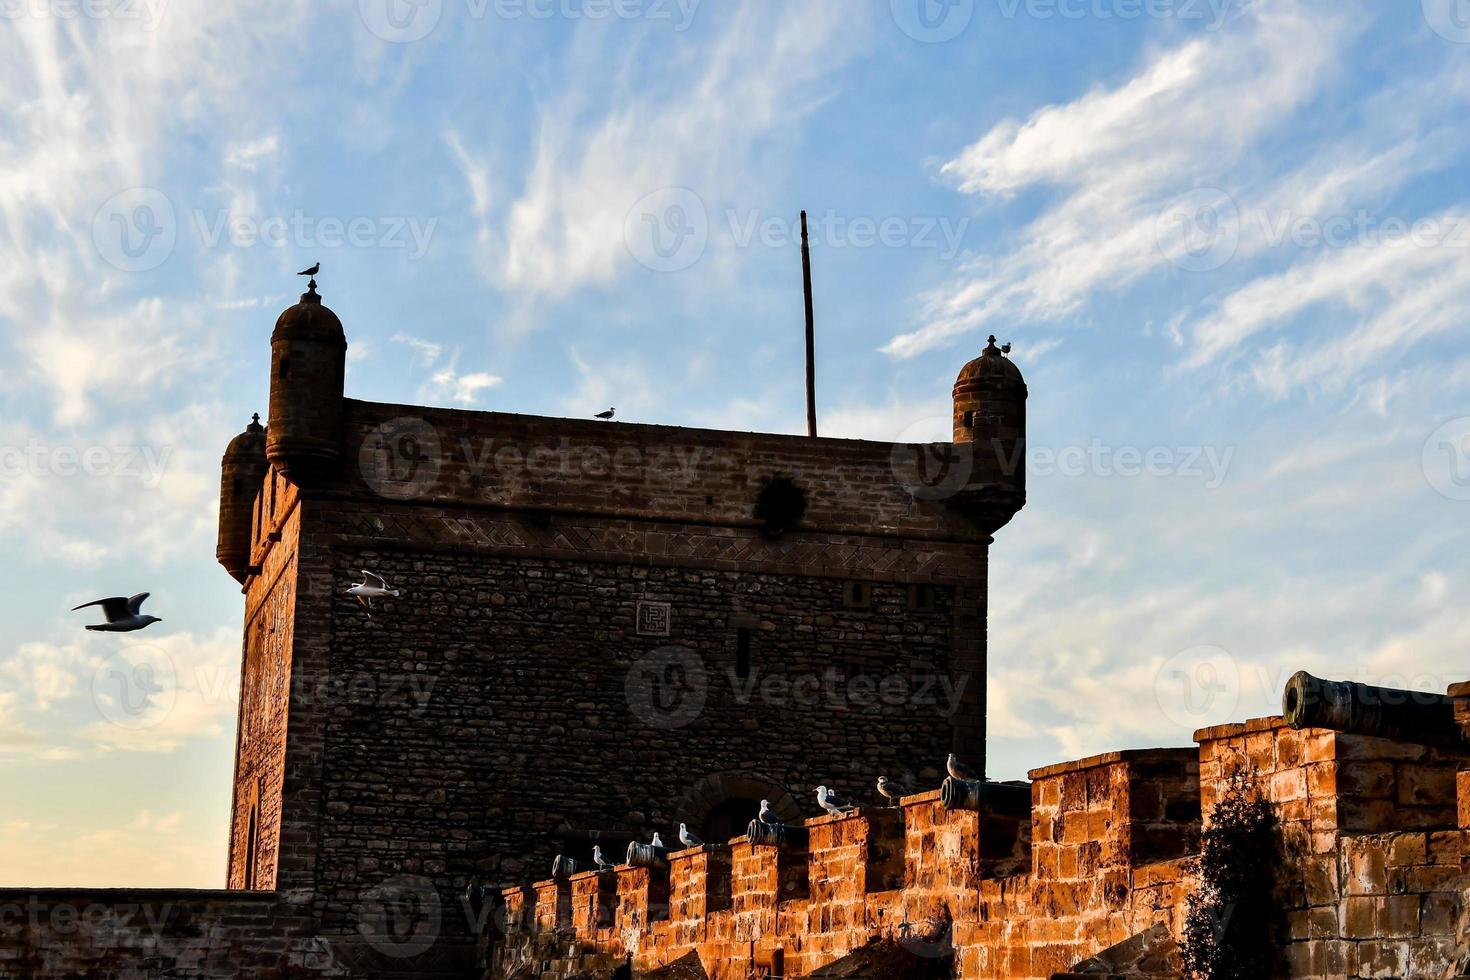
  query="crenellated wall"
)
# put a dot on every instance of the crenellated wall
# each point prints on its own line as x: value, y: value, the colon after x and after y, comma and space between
x: 1094, y: 877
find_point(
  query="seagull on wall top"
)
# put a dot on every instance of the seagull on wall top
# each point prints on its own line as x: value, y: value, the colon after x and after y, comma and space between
x: 607, y: 415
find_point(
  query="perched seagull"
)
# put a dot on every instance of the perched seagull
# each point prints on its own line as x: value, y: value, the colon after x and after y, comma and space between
x: 657, y: 840
x: 122, y: 614
x: 607, y: 415
x: 312, y: 271
x: 959, y: 770
x: 599, y: 860
x: 372, y: 587
x: 688, y: 839
x: 890, y: 790
x: 1005, y: 349
x: 832, y: 803
x: 766, y: 815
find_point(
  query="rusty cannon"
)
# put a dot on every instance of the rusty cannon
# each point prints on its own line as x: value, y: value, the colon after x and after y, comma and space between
x: 763, y: 833
x: 1013, y: 798
x: 1415, y: 717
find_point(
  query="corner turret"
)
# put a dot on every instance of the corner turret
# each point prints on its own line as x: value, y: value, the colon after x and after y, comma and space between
x: 242, y: 471
x: 308, y: 367
x: 990, y: 421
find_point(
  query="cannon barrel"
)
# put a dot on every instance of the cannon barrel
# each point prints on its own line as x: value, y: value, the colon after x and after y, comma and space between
x: 966, y: 794
x: 1415, y: 717
x: 764, y: 834
x: 647, y: 856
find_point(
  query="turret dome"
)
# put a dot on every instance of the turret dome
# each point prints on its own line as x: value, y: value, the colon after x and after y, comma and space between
x: 309, y: 319
x: 248, y: 443
x: 991, y: 365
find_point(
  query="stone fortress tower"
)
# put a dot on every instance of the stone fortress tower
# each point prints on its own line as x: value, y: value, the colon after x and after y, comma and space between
x: 605, y: 629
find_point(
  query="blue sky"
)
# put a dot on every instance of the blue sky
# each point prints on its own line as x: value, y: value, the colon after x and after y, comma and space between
x: 1229, y: 241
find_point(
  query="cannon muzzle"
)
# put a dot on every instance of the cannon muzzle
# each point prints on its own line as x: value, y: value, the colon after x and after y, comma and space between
x: 1415, y: 717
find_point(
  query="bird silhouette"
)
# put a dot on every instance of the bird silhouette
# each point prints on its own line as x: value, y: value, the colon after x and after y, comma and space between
x: 122, y: 614
x: 1005, y: 349
x: 312, y: 271
x: 607, y: 415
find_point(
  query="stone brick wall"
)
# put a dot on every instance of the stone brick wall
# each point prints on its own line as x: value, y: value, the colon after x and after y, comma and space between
x: 481, y: 723
x: 648, y: 472
x: 1371, y: 846
x: 489, y: 707
x: 1371, y: 884
x: 265, y: 679
x: 127, y: 933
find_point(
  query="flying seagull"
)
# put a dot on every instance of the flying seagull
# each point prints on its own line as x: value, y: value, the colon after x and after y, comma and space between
x: 122, y: 614
x: 372, y: 587
x: 599, y: 860
x: 607, y: 415
x: 889, y: 789
x: 312, y: 271
x: 832, y: 803
x: 959, y: 770
x: 688, y: 839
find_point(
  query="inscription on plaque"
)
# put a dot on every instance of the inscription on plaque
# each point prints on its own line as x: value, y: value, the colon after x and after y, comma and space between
x: 654, y: 618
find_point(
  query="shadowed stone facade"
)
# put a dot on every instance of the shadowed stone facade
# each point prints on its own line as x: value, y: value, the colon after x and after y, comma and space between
x: 605, y: 629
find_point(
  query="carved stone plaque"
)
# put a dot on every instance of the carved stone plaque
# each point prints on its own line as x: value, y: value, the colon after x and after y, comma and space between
x: 654, y: 618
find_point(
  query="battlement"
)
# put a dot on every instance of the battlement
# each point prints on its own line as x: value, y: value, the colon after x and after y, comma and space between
x: 1094, y: 872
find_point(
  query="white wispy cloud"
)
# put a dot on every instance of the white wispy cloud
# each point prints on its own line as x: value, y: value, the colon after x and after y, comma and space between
x: 691, y: 122
x: 446, y: 383
x: 1116, y: 157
